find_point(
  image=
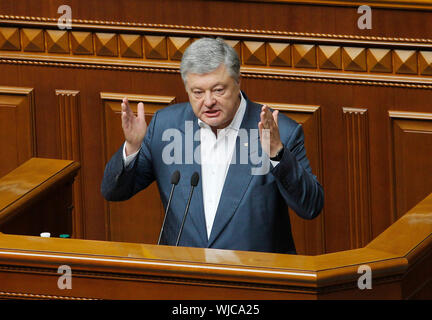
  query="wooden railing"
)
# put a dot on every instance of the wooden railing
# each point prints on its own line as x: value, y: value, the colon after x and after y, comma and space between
x: 37, y: 197
x: 395, y: 265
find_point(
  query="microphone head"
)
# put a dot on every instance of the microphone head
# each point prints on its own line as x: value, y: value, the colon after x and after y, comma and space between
x: 175, y: 177
x: 194, y: 179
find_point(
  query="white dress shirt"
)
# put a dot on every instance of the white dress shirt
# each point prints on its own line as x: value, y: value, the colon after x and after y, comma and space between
x: 216, y: 154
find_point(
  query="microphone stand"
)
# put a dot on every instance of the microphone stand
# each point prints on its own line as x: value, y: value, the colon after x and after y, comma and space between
x: 194, y: 182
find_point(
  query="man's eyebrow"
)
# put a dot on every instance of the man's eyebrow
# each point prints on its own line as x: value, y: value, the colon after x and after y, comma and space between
x: 219, y: 84
x: 196, y: 87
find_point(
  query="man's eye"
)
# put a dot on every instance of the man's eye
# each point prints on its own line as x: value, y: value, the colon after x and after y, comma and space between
x: 197, y: 93
x: 219, y: 91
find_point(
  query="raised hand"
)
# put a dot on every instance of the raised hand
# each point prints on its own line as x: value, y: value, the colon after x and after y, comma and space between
x: 134, y: 127
x: 270, y: 138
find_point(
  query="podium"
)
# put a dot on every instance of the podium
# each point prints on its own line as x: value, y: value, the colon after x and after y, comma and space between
x: 395, y: 265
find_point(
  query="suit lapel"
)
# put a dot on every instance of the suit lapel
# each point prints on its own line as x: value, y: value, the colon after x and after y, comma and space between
x: 239, y: 175
x: 196, y: 209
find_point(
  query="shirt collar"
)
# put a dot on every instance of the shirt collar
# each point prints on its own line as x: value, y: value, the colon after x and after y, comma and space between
x: 238, y: 117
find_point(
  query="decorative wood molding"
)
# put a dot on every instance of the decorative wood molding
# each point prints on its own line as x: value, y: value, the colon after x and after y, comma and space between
x: 358, y: 175
x: 410, y: 133
x: 410, y: 115
x: 16, y: 126
x: 11, y: 20
x: 33, y: 296
x: 69, y: 121
x: 275, y: 54
x: 70, y: 149
x: 152, y: 99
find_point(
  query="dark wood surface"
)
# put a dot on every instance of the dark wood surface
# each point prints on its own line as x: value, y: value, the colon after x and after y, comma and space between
x: 363, y: 97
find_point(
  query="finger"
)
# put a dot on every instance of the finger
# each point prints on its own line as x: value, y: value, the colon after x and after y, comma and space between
x: 261, y: 131
x: 272, y: 118
x: 264, y: 136
x: 125, y: 106
x: 264, y: 117
x: 125, y: 102
x: 267, y: 118
x: 140, y: 110
x: 275, y: 117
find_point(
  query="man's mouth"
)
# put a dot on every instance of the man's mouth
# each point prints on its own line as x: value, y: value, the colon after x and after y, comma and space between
x: 212, y: 113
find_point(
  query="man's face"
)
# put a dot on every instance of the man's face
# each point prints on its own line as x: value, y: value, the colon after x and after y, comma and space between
x: 214, y: 96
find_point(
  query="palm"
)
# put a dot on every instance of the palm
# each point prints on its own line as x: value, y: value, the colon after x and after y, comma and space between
x: 270, y: 138
x: 134, y: 127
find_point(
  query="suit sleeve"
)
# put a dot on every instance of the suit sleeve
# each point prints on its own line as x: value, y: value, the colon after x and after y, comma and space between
x: 299, y: 187
x: 120, y: 183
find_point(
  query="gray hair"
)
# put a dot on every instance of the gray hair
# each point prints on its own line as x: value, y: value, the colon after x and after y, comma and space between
x: 206, y: 55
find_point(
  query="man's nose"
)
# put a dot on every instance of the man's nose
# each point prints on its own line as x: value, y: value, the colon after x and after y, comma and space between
x: 208, y: 99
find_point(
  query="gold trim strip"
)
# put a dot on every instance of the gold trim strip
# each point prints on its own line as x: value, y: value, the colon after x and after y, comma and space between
x: 250, y: 73
x: 410, y: 115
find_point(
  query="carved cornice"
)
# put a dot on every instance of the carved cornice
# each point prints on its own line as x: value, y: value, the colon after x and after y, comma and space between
x: 264, y: 54
x: 196, y: 30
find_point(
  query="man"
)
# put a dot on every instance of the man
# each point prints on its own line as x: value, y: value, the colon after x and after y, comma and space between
x: 233, y: 206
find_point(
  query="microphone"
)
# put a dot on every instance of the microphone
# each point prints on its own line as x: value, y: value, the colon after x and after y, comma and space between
x: 174, y: 181
x: 194, y: 182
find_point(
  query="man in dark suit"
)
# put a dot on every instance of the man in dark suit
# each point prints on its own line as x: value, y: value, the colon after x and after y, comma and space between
x: 251, y: 160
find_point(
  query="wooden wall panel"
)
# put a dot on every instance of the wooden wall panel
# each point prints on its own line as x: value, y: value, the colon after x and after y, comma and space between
x: 17, y: 137
x: 134, y: 220
x: 412, y: 161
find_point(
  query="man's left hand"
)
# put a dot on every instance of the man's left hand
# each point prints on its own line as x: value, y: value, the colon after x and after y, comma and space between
x: 270, y: 140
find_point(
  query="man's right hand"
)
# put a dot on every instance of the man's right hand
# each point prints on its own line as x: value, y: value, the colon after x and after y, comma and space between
x: 134, y: 127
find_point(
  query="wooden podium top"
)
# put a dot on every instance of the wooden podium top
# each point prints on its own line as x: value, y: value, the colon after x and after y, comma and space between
x: 399, y: 260
x: 393, y: 256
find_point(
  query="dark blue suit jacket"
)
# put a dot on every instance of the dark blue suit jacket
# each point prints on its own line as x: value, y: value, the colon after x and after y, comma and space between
x: 252, y: 213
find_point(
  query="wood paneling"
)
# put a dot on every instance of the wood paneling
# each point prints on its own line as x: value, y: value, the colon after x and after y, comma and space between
x: 134, y: 220
x: 17, y: 137
x: 358, y: 173
x: 412, y: 161
x: 70, y: 149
